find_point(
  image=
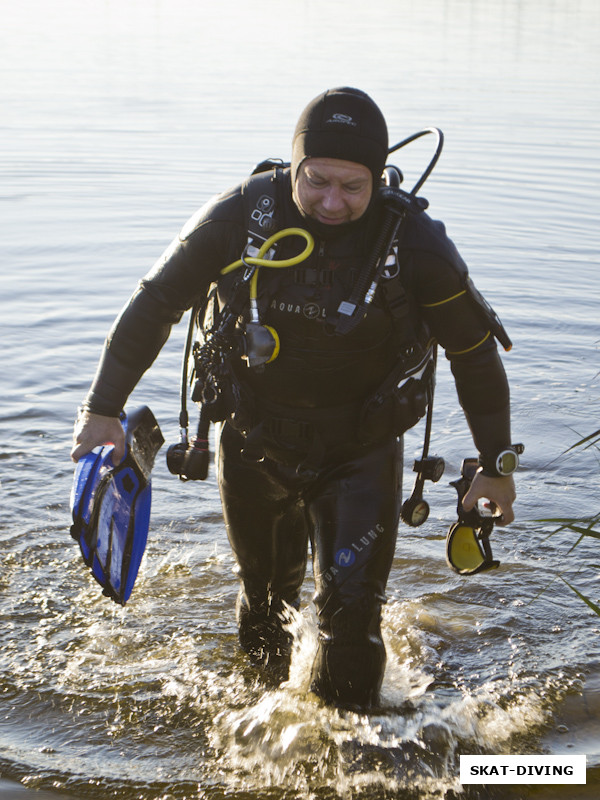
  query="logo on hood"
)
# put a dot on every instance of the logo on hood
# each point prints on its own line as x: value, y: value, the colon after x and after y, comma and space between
x: 345, y: 119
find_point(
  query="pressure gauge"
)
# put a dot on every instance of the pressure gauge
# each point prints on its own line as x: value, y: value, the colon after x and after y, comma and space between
x: 415, y: 511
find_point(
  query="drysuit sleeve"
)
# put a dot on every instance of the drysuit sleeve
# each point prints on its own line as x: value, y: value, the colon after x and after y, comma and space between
x: 463, y: 330
x: 213, y: 238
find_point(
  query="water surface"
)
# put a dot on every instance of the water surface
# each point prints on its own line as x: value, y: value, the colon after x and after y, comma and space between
x: 120, y: 119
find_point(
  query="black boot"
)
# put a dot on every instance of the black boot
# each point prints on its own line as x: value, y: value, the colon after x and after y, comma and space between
x: 350, y: 662
x: 264, y: 635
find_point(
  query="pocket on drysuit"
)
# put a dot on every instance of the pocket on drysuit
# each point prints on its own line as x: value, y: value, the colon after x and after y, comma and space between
x: 398, y: 404
x: 394, y: 412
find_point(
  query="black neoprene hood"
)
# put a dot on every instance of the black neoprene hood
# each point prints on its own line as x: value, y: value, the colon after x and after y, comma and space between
x: 342, y: 123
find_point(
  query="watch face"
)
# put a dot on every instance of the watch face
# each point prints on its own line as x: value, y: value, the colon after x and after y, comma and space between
x: 507, y: 462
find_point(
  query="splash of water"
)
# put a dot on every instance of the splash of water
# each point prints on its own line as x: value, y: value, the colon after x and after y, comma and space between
x: 409, y: 747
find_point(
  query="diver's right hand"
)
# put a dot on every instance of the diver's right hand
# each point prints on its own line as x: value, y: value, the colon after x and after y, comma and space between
x: 94, y: 430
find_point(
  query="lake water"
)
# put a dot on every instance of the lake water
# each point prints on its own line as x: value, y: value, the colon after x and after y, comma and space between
x: 121, y: 117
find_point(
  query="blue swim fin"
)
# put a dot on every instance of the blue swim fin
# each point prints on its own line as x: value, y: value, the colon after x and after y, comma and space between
x: 111, y: 505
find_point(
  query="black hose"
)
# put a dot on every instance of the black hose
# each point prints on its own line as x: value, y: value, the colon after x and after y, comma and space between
x: 183, y: 414
x: 438, y: 151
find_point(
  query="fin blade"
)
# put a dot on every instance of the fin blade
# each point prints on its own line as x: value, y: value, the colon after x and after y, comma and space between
x: 110, y: 506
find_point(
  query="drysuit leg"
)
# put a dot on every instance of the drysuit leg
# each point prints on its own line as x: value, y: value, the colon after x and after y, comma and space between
x: 354, y: 512
x: 267, y: 530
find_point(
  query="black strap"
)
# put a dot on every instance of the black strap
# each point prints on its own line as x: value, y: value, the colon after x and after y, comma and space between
x: 261, y: 195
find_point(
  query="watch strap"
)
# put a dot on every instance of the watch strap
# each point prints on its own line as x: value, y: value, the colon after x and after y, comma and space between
x: 489, y: 462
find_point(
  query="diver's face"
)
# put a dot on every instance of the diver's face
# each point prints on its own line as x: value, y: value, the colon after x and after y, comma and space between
x: 333, y: 191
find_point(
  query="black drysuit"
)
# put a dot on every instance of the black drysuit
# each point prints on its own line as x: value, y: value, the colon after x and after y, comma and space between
x: 302, y: 463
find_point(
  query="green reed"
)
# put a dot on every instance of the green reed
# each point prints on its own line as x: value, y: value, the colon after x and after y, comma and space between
x: 586, y: 526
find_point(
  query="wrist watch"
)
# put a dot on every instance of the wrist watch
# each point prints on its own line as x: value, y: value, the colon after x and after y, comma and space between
x: 503, y: 463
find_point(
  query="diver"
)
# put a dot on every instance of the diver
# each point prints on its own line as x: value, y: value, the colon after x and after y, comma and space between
x: 310, y: 448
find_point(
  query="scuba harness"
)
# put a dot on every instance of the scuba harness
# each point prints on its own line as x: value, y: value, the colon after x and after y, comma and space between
x: 409, y: 388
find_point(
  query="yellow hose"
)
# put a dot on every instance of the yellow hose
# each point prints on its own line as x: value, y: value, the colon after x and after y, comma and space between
x: 259, y: 261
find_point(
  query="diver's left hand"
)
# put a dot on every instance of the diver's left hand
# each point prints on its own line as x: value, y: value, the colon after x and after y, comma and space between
x: 500, y: 491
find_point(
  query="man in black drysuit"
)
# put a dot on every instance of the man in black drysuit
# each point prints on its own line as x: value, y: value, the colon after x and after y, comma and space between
x: 310, y: 451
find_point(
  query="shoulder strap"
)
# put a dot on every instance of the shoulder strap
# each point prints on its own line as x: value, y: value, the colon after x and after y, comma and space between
x: 392, y: 285
x: 413, y: 335
x: 262, y: 198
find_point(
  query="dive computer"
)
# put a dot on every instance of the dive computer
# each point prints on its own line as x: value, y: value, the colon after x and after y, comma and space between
x: 503, y: 463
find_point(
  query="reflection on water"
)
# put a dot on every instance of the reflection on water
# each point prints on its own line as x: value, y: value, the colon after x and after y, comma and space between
x: 119, y: 120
